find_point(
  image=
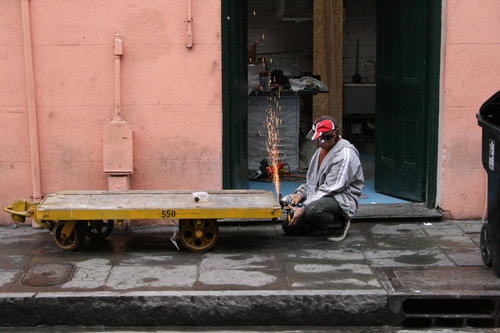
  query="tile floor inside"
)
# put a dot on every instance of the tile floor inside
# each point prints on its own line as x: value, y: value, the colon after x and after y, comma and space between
x: 369, y: 196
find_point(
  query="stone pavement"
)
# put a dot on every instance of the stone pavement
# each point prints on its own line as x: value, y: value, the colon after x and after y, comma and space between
x: 393, y: 273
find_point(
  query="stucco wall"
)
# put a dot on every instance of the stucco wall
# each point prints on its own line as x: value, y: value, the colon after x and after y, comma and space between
x: 171, y: 94
x: 471, y: 75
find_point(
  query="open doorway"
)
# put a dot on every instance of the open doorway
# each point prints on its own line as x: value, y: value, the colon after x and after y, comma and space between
x: 378, y: 74
x: 280, y: 37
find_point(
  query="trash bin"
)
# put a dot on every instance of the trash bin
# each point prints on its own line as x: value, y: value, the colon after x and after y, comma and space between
x: 489, y: 119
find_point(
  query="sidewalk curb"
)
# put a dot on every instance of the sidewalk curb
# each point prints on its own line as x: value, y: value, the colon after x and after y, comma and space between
x: 193, y: 308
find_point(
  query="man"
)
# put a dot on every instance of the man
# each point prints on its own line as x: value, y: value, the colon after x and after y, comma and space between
x: 333, y: 185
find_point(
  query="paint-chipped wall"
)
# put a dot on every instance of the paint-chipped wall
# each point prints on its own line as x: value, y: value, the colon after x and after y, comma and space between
x: 470, y: 76
x: 170, y: 93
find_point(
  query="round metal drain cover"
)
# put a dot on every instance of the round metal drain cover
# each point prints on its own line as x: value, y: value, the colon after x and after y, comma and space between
x: 47, y: 274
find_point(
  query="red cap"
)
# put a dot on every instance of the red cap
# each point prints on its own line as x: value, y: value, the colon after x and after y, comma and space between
x: 322, y: 125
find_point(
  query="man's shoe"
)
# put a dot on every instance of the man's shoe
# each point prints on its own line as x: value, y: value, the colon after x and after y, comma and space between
x: 341, y: 236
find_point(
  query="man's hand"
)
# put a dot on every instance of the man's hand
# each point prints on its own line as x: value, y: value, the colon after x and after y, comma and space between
x: 298, y: 212
x: 296, y: 198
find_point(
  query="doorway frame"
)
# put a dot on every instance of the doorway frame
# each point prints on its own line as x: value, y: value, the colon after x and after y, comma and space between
x: 432, y: 101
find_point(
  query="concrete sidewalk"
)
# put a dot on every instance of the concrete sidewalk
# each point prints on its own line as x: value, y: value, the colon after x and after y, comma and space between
x: 415, y: 274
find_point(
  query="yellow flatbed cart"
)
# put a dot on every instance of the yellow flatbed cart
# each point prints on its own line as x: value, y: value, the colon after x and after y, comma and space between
x: 73, y: 215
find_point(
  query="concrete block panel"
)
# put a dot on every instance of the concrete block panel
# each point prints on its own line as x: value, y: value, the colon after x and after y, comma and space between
x: 74, y: 75
x: 462, y: 139
x: 469, y: 79
x: 178, y: 132
x: 472, y: 21
x: 14, y: 137
x: 461, y: 199
x: 171, y: 74
x: 12, y: 90
x: 11, y: 24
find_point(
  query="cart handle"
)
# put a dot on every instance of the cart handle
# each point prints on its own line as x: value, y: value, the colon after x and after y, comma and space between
x: 21, y: 209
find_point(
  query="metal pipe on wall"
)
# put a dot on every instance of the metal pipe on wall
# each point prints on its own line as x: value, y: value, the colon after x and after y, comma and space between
x: 118, y: 51
x: 117, y: 135
x: 189, y: 40
x: 31, y: 101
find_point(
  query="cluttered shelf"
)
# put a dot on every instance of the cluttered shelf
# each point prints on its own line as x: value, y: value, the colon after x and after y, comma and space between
x: 285, y: 92
x: 280, y: 85
x: 261, y: 81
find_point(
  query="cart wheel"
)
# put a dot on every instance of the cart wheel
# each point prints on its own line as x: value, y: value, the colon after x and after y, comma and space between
x: 98, y: 229
x: 486, y: 245
x: 198, y: 235
x: 69, y: 235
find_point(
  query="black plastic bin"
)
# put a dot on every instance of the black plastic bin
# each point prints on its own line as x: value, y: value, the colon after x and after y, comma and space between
x: 489, y: 119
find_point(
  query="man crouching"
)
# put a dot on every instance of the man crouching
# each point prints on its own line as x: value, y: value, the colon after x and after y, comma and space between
x: 333, y: 185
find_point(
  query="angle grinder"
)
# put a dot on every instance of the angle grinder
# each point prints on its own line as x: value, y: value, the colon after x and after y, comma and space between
x: 286, y: 202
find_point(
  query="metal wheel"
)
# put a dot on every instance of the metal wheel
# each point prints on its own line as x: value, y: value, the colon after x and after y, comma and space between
x: 99, y: 229
x: 486, y: 245
x: 69, y: 235
x: 198, y: 235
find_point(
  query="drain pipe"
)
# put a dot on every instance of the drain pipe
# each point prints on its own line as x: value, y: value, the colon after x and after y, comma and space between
x: 189, y: 39
x: 117, y: 135
x: 118, y: 51
x: 31, y: 102
x: 117, y: 138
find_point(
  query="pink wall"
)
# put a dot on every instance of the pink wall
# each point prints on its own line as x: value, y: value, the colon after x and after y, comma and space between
x: 471, y: 72
x: 171, y: 94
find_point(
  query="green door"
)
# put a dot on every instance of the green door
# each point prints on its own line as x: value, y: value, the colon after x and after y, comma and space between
x: 234, y: 94
x: 403, y: 31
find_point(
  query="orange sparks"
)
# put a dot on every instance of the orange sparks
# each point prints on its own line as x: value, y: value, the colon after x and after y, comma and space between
x: 272, y: 123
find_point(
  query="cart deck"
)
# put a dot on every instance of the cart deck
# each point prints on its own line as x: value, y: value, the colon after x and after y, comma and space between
x: 137, y: 205
x: 93, y: 213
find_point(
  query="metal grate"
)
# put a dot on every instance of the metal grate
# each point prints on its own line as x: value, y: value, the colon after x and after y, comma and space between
x: 47, y: 274
x: 443, y: 296
x: 441, y: 311
x: 422, y: 279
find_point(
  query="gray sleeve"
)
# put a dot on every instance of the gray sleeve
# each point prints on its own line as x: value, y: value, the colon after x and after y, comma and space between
x: 302, y: 190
